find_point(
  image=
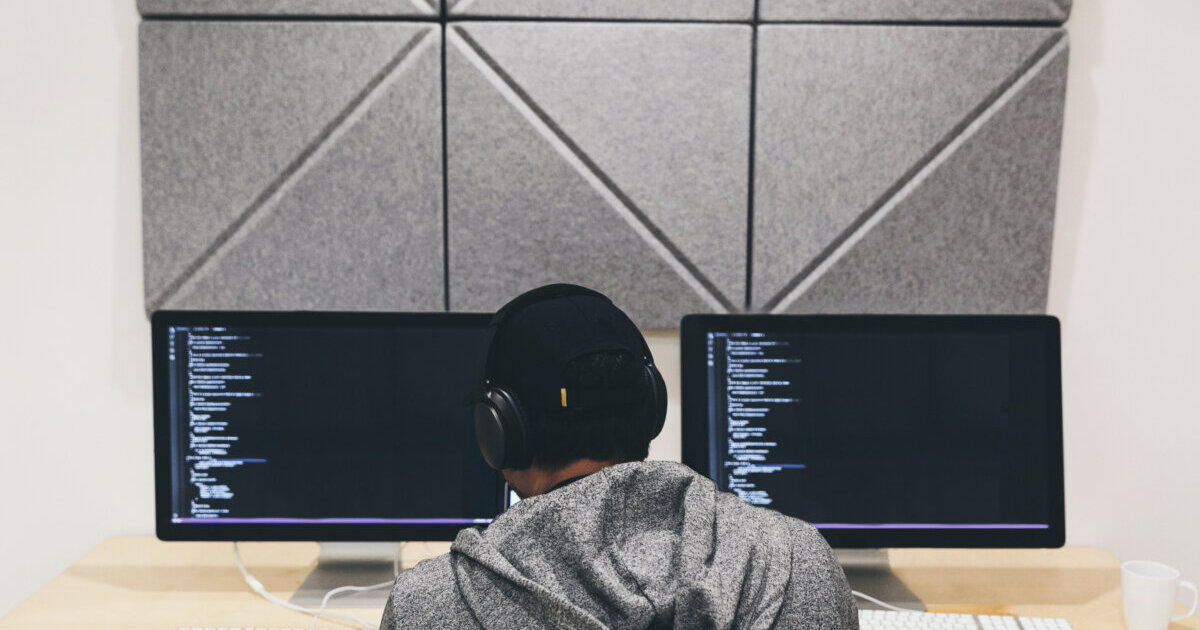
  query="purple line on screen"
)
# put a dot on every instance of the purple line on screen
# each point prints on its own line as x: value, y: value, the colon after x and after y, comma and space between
x: 930, y: 526
x: 338, y: 521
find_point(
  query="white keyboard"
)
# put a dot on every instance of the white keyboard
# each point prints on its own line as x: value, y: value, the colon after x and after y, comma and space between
x: 888, y: 620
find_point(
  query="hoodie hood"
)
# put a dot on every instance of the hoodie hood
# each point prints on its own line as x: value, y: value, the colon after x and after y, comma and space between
x: 637, y: 545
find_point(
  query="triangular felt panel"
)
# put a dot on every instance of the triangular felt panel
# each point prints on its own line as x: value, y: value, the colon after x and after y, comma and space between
x: 615, y: 9
x: 521, y: 216
x: 662, y: 110
x: 917, y: 10
x: 361, y: 227
x: 975, y: 235
x: 227, y: 108
x: 289, y: 8
x: 846, y: 114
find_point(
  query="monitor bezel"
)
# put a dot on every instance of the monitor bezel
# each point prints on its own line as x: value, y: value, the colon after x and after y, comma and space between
x: 165, y: 529
x: 693, y: 338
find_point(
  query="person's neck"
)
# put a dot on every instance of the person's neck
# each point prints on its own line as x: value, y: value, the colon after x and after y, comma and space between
x: 543, y: 480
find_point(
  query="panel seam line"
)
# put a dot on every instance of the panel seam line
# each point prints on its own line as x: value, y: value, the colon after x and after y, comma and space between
x: 445, y: 177
x: 751, y: 160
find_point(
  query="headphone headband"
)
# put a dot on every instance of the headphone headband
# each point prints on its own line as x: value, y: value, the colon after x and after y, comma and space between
x: 501, y: 427
x: 521, y: 302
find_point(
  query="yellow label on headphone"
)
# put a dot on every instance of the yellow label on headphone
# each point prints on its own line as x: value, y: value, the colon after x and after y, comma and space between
x: 564, y: 396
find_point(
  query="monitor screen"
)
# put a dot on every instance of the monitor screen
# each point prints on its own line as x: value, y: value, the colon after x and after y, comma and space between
x: 883, y: 431
x: 318, y: 426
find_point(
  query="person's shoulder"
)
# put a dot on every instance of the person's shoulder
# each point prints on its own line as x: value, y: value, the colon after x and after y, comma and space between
x: 819, y: 596
x: 427, y: 596
x: 805, y: 537
x: 430, y: 579
x: 807, y: 544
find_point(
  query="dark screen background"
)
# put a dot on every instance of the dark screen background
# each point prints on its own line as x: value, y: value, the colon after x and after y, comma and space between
x: 926, y: 428
x: 337, y: 422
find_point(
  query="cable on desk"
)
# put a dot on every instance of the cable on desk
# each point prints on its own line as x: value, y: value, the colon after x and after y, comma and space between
x: 344, y: 619
x: 877, y: 602
x: 337, y: 591
x: 358, y: 589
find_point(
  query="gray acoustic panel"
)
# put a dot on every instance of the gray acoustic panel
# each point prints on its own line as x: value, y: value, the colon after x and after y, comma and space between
x: 847, y: 115
x: 1054, y: 11
x: 971, y: 231
x: 570, y: 150
x: 663, y: 111
x: 292, y: 165
x: 429, y: 8
x: 732, y: 10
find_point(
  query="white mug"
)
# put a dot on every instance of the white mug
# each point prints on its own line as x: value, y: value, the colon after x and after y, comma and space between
x: 1150, y: 590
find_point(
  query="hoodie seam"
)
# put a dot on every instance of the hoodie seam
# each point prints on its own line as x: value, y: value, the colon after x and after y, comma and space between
x: 566, y: 613
x: 787, y: 587
x: 455, y: 558
x: 624, y: 569
x: 627, y: 560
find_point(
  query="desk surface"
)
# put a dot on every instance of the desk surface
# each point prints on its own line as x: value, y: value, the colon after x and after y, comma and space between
x: 140, y: 582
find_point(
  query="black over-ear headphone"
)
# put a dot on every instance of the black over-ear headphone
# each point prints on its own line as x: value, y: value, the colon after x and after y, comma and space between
x: 502, y: 428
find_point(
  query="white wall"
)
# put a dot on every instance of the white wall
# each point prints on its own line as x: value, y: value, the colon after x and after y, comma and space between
x: 75, y: 446
x: 74, y: 357
x: 1126, y: 279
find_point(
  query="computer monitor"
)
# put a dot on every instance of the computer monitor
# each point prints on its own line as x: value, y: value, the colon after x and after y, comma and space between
x: 318, y: 426
x: 883, y: 431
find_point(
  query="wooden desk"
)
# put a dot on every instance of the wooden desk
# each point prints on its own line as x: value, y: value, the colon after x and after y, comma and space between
x: 1079, y: 584
x: 139, y: 582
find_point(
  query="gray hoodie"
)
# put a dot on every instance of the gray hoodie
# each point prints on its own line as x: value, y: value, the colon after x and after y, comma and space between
x: 637, y: 545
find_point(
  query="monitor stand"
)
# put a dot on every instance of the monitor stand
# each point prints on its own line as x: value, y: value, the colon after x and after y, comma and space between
x: 868, y: 572
x: 350, y: 564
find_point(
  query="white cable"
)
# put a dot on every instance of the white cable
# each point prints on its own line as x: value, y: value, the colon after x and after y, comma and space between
x: 883, y: 603
x: 320, y: 612
x: 257, y: 587
x: 358, y: 589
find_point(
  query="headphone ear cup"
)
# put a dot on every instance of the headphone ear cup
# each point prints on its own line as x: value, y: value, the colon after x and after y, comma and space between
x: 520, y: 452
x: 490, y: 432
x: 502, y: 430
x: 658, y: 401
